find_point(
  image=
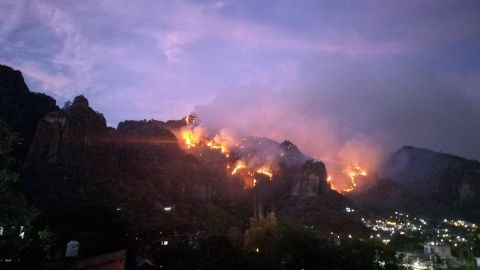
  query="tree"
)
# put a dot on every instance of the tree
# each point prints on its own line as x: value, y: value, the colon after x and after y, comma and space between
x: 16, y: 216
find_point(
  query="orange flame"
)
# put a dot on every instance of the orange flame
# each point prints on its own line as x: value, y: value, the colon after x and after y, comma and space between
x: 265, y: 170
x: 329, y: 181
x: 240, y: 165
x: 190, y: 139
x: 353, y: 171
x: 195, y: 137
x: 214, y: 145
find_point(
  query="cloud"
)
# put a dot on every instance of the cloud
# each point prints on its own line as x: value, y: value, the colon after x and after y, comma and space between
x: 325, y: 75
x: 53, y: 82
x: 11, y: 13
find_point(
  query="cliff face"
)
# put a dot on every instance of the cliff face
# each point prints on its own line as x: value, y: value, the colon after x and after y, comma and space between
x: 75, y: 158
x: 66, y: 153
x: 20, y: 108
x: 311, y: 180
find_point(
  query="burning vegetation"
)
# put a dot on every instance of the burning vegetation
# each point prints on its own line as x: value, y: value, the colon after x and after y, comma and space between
x: 243, y: 160
x: 196, y: 138
x: 353, y: 172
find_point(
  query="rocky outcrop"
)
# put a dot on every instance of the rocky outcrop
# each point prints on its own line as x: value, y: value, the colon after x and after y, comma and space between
x: 20, y: 108
x: 311, y: 180
x: 66, y: 155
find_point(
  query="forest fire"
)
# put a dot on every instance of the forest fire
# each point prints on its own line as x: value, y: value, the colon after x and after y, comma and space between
x: 214, y: 145
x: 353, y: 171
x: 240, y: 165
x: 190, y: 139
x: 196, y: 137
x: 266, y: 171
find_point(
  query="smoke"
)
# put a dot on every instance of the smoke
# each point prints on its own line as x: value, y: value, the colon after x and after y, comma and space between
x: 276, y: 115
x: 354, y: 120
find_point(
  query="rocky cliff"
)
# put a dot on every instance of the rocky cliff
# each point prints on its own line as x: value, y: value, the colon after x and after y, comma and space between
x: 311, y: 180
x: 76, y: 161
x: 20, y: 108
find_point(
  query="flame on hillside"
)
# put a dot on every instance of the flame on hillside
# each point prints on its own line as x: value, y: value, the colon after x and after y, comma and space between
x: 196, y: 136
x: 190, y: 139
x: 352, y: 172
x: 265, y: 170
x: 240, y: 165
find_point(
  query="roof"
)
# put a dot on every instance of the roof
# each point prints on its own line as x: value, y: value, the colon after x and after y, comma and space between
x: 101, y: 259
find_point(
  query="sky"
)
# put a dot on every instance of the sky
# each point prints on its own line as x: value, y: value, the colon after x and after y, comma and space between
x: 342, y: 79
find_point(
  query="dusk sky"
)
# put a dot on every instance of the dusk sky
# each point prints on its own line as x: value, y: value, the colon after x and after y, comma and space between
x: 371, y: 75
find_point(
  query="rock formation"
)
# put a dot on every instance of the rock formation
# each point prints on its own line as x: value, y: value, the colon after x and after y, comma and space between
x: 20, y: 108
x: 311, y: 180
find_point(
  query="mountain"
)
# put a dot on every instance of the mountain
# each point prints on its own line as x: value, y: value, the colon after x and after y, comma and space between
x: 422, y: 181
x: 20, y: 108
x: 76, y: 163
x: 94, y: 183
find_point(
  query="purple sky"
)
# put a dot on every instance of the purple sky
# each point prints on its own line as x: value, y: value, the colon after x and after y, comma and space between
x: 325, y: 74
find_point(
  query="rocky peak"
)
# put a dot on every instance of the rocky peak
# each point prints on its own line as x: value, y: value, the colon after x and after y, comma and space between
x: 80, y: 101
x: 11, y: 81
x: 20, y: 108
x: 82, y: 117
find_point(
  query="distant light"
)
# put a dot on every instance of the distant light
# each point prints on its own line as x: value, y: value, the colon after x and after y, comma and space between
x: 257, y: 250
x: 167, y: 209
x: 164, y: 243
